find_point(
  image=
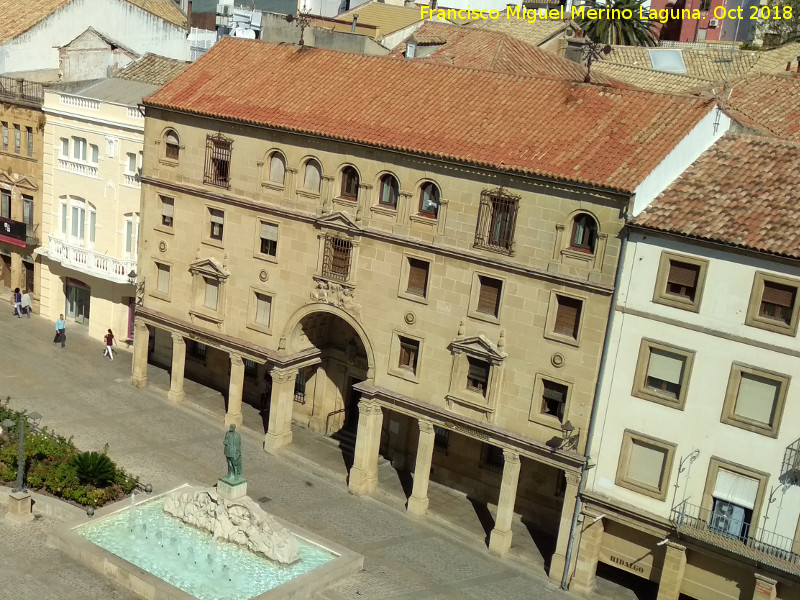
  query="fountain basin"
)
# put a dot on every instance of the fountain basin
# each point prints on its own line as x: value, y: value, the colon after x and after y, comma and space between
x: 177, y: 561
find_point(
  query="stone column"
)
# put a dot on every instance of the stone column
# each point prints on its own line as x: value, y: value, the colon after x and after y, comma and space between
x: 588, y: 554
x: 500, y: 538
x: 235, y: 388
x: 766, y: 588
x: 279, y: 430
x: 669, y: 587
x: 141, y: 338
x: 178, y: 366
x: 364, y: 473
x: 557, y: 562
x: 418, y: 502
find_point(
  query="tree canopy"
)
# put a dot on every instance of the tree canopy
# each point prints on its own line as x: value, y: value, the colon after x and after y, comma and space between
x: 613, y: 28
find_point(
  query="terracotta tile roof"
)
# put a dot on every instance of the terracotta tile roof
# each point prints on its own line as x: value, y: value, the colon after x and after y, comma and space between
x: 17, y: 17
x: 768, y: 104
x: 711, y: 64
x: 582, y: 133
x: 775, y: 60
x: 649, y: 79
x: 742, y: 192
x: 482, y: 49
x: 536, y: 33
x: 386, y: 17
x: 152, y: 69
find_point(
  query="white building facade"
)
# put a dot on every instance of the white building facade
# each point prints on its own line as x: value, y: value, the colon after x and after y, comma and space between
x: 695, y: 440
x: 93, y: 156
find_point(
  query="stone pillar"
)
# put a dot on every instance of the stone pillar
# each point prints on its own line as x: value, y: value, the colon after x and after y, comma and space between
x: 235, y: 388
x: 557, y: 562
x: 669, y: 587
x: 19, y: 507
x: 279, y: 430
x: 766, y: 588
x: 500, y: 538
x: 588, y: 554
x: 178, y: 367
x: 317, y: 421
x: 364, y: 472
x: 418, y: 502
x: 141, y: 338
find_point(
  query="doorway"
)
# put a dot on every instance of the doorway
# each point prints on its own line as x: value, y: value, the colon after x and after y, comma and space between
x: 78, y: 301
x: 6, y: 271
x: 351, y: 400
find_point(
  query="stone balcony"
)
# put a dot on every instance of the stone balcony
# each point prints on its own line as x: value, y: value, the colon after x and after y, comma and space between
x: 131, y: 180
x: 78, y: 168
x: 89, y: 262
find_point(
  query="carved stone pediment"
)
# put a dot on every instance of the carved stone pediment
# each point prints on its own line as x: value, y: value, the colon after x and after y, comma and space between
x: 480, y: 347
x: 337, y: 220
x: 27, y: 184
x: 209, y: 267
x: 337, y: 295
x: 6, y: 180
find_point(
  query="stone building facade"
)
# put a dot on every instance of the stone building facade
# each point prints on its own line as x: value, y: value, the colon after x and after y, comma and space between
x: 447, y: 310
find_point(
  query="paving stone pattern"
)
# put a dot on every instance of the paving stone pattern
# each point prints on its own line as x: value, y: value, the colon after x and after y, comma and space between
x: 84, y: 395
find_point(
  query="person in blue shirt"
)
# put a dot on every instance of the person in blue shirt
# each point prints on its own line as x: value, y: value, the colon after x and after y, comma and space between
x: 61, y: 331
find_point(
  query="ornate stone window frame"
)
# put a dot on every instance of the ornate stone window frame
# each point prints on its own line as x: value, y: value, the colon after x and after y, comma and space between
x: 202, y: 269
x: 660, y: 294
x: 480, y: 348
x: 252, y: 307
x: 640, y: 389
x: 536, y: 413
x: 405, y: 270
x: 394, y: 356
x: 629, y: 439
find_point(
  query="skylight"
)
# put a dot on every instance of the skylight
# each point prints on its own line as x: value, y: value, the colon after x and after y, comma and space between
x: 669, y: 60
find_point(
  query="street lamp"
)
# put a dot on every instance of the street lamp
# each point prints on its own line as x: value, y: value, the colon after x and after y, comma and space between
x: 132, y: 276
x: 568, y: 440
x: 8, y: 425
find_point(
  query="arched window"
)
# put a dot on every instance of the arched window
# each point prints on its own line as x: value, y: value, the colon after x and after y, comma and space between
x: 584, y: 234
x: 277, y: 169
x: 429, y: 199
x: 313, y: 176
x: 389, y: 191
x: 172, y: 145
x: 349, y: 183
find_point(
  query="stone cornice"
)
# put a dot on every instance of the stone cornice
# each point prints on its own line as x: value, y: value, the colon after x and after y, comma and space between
x: 627, y: 515
x: 470, y: 257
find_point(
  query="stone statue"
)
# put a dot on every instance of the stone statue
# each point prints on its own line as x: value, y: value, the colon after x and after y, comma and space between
x: 233, y: 453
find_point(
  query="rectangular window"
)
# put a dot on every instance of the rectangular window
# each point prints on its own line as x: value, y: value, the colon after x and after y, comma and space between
x: 409, y: 353
x: 167, y: 211
x: 17, y: 138
x: 95, y: 154
x: 554, y: 398
x: 441, y: 439
x: 217, y: 223
x: 63, y: 219
x: 489, y: 295
x: 773, y: 304
x: 492, y: 458
x: 417, y: 277
x: 497, y: 218
x: 196, y: 352
x: 680, y: 281
x: 64, y: 147
x: 93, y: 226
x: 163, y: 278
x: 29, y: 133
x: 128, y: 236
x: 263, y: 310
x: 645, y: 464
x: 662, y: 373
x: 250, y: 370
x: 79, y: 148
x: 336, y: 259
x: 665, y: 373
x: 5, y: 204
x: 78, y: 222
x: 734, y: 499
x: 218, y: 160
x: 131, y: 162
x: 27, y: 210
x: 754, y: 400
x: 269, y: 239
x: 5, y: 135
x: 477, y: 376
x: 568, y: 316
x: 211, y: 296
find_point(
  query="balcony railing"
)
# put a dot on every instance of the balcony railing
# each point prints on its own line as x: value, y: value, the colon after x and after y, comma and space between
x: 32, y: 235
x: 131, y: 180
x: 90, y: 262
x: 21, y: 89
x: 790, y: 473
x: 737, y: 536
x: 77, y: 167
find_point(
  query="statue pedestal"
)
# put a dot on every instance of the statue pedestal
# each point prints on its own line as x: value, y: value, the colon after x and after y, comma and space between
x: 231, y: 490
x: 19, y: 507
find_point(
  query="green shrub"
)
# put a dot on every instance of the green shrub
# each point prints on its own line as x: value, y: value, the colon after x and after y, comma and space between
x: 94, y: 468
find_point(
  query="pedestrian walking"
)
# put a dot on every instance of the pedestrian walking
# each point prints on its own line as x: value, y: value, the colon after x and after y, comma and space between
x: 61, y: 331
x: 110, y: 341
x: 17, y: 302
x: 26, y: 303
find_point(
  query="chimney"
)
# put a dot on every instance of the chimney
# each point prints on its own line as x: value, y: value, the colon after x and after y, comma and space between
x: 355, y: 22
x: 411, y: 48
x: 189, y: 14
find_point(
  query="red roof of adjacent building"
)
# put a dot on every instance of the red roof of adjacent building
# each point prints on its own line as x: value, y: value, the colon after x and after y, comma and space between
x: 742, y: 191
x: 768, y: 104
x: 482, y: 49
x: 583, y: 133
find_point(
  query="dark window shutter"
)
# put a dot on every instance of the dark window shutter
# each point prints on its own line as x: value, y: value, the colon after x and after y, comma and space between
x: 781, y: 295
x: 683, y: 274
x: 489, y: 295
x: 568, y: 316
x: 417, y: 276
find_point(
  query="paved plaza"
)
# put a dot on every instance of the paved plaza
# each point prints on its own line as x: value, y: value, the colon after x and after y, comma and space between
x: 82, y: 394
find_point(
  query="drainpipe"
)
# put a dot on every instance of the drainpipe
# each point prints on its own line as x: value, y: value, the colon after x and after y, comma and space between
x: 355, y: 22
x: 595, y: 404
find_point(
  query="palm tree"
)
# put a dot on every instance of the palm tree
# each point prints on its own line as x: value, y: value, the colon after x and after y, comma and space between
x: 612, y: 28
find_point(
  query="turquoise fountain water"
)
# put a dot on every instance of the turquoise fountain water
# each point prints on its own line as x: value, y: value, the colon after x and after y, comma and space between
x: 192, y: 560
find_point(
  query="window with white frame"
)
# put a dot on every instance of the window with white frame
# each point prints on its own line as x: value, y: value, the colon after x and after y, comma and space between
x: 79, y: 218
x: 64, y: 148
x: 79, y: 148
x: 131, y: 234
x: 211, y: 293
x: 94, y: 153
x: 63, y: 218
x: 130, y: 167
